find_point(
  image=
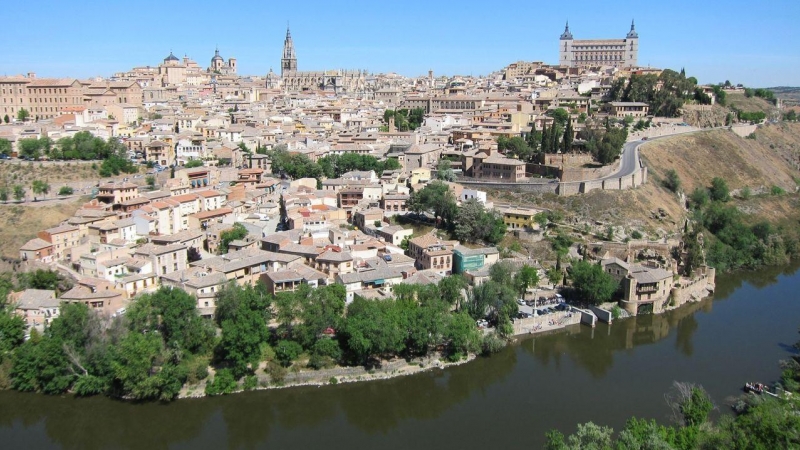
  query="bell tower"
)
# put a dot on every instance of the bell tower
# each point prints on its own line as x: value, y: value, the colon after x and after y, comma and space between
x: 289, y: 60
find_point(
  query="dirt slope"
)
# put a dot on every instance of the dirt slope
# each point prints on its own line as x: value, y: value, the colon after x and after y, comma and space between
x: 761, y: 162
x: 18, y: 223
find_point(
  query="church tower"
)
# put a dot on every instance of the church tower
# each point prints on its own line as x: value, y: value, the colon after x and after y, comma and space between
x: 565, y: 54
x: 289, y: 60
x: 632, y: 47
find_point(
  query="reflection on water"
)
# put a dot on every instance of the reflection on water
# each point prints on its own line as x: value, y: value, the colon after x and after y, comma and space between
x: 538, y: 384
x: 594, y: 349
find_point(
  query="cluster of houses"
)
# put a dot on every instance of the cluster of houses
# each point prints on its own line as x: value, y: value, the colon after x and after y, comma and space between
x: 129, y: 240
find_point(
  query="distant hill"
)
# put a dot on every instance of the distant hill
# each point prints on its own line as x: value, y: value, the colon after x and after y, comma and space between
x: 789, y: 94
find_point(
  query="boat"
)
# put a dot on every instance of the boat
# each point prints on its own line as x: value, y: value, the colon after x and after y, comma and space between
x: 756, y: 388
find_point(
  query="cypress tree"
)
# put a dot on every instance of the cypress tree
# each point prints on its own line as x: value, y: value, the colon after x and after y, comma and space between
x: 568, y: 133
x: 545, y: 139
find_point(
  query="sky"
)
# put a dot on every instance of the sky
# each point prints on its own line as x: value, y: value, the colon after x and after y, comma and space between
x: 753, y: 43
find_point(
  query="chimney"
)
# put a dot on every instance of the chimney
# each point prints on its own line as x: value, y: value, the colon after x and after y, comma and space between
x: 31, y: 74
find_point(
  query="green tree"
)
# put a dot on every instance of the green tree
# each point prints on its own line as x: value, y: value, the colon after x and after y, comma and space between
x: 437, y: 198
x: 569, y: 135
x: 6, y: 118
x: 193, y: 163
x: 462, y: 336
x: 223, y: 383
x: 560, y: 116
x: 672, y: 181
x: 151, y: 181
x: 238, y: 232
x: 372, y: 328
x: 23, y: 115
x: 719, y: 190
x: 12, y: 330
x: 526, y: 277
x: 65, y: 190
x: 474, y: 224
x: 4, y: 193
x: 40, y: 187
x: 451, y: 289
x: 242, y: 313
x: 5, y: 146
x: 29, y: 148
x: 287, y: 351
x: 444, y: 171
x: 592, y: 285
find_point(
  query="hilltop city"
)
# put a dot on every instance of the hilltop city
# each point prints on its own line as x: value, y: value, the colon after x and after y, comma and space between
x: 302, y: 179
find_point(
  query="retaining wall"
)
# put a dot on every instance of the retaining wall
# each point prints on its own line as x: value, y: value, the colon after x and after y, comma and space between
x: 602, y: 314
x: 565, y: 188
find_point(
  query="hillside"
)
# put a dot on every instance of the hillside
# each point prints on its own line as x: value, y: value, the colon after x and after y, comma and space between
x: 769, y: 159
x: 19, y: 224
x: 751, y: 104
x: 697, y: 158
x: 55, y: 173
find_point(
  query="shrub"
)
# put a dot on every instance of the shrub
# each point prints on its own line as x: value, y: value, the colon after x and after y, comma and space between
x: 223, y: 383
x: 276, y: 372
x: 616, y: 312
x: 636, y: 234
x: 776, y: 190
x: 250, y: 382
x: 65, y: 190
x: 492, y: 343
x: 719, y: 191
x: 333, y: 380
x: 672, y: 182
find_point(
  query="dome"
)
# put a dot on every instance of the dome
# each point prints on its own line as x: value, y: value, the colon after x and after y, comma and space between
x: 216, y: 56
x: 171, y: 57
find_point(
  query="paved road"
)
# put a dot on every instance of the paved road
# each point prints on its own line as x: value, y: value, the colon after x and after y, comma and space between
x: 629, y: 160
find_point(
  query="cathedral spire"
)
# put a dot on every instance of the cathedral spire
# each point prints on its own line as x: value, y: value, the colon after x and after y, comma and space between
x: 289, y: 60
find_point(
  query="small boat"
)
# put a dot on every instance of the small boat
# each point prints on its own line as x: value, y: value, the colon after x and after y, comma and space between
x: 756, y: 388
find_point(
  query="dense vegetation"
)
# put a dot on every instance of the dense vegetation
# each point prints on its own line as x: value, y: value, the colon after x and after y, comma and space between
x: 162, y: 344
x: 405, y: 120
x: 665, y: 93
x: 295, y: 165
x: 760, y: 422
x: 469, y: 223
x: 333, y: 166
x: 731, y: 243
x: 148, y: 355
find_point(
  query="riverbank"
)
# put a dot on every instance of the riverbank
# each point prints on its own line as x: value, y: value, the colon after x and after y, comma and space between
x: 398, y: 367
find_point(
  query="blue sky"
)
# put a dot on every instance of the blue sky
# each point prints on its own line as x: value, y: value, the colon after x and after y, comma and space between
x: 754, y: 43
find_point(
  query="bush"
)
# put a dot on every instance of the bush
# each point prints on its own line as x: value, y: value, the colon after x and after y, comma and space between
x: 287, y: 351
x: 616, y: 312
x: 276, y: 372
x: 635, y: 234
x: 776, y: 190
x: 223, y: 383
x: 65, y: 190
x: 672, y: 182
x: 719, y: 191
x: 492, y: 343
x: 250, y: 382
x: 745, y: 193
x: 333, y: 380
x: 193, y: 163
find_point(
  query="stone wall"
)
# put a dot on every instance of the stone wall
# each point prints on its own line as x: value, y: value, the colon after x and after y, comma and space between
x: 744, y: 130
x: 564, y: 187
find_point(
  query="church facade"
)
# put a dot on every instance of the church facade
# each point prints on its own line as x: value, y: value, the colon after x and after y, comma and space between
x: 598, y: 52
x: 219, y: 66
x: 336, y: 81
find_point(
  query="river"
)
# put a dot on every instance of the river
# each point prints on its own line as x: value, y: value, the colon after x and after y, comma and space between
x: 508, y: 400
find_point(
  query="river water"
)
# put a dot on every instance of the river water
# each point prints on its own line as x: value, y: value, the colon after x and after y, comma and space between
x: 505, y: 401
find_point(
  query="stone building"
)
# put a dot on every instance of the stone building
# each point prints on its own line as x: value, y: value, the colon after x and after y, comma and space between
x: 336, y: 81
x: 598, y: 52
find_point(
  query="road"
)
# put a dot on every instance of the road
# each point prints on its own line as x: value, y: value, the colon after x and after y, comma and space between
x: 629, y: 160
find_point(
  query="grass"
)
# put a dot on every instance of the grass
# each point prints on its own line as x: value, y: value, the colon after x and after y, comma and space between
x: 19, y: 224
